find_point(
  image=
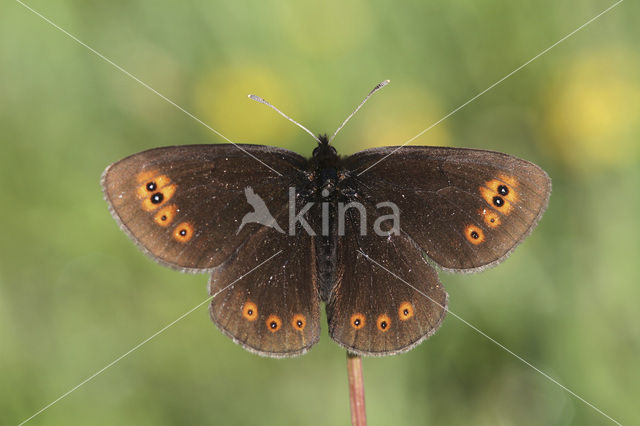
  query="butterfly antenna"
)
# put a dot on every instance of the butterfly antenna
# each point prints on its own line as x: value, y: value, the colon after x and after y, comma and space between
x: 375, y: 89
x: 262, y: 101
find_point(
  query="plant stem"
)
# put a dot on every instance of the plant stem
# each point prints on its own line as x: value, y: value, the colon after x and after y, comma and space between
x: 356, y: 390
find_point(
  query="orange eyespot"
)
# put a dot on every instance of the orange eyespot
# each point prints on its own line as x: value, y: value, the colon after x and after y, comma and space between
x: 152, y: 184
x: 146, y: 176
x: 405, y: 311
x: 250, y: 311
x: 509, y: 180
x: 490, y: 217
x: 274, y: 323
x: 158, y: 198
x: 474, y: 234
x: 183, y: 232
x: 383, y: 323
x: 165, y: 215
x: 357, y: 321
x: 299, y: 322
x: 500, y: 193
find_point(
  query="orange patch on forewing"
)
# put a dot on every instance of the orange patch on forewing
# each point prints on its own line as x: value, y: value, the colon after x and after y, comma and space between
x: 274, y: 323
x: 490, y: 217
x: 357, y: 321
x: 183, y: 232
x: 299, y: 322
x: 156, y: 182
x: 509, y: 180
x: 165, y: 215
x: 167, y: 192
x: 250, y: 311
x: 489, y: 194
x: 144, y: 177
x: 474, y: 234
x: 383, y: 323
x: 405, y: 311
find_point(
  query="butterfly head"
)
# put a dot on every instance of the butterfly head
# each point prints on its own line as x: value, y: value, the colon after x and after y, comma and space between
x: 324, y: 150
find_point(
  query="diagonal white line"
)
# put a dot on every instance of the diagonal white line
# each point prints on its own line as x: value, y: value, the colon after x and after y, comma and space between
x: 100, y: 55
x: 500, y: 345
x: 115, y: 361
x: 494, y: 85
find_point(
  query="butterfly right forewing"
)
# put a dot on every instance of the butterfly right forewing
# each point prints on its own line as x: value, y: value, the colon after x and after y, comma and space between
x: 466, y: 209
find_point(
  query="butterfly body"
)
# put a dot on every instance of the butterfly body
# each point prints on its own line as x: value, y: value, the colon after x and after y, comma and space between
x: 363, y: 241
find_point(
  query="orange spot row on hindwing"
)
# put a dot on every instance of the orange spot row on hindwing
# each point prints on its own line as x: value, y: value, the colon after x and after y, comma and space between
x: 273, y: 322
x: 383, y: 322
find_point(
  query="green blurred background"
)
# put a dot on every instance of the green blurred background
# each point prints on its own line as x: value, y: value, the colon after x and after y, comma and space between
x: 75, y: 293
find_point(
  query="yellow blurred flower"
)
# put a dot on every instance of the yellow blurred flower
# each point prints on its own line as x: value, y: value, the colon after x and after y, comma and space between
x: 593, y: 107
x: 221, y: 101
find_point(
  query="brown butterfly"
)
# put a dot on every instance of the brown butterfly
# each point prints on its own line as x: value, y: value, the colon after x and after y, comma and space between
x: 213, y: 209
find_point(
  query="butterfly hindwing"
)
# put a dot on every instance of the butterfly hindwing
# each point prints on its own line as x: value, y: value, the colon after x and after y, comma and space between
x: 387, y: 298
x: 273, y: 310
x: 466, y: 209
x: 183, y: 205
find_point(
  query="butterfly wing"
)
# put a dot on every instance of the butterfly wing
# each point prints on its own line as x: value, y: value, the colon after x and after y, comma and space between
x: 267, y: 303
x: 466, y: 209
x: 274, y: 310
x: 387, y: 298
x: 183, y: 205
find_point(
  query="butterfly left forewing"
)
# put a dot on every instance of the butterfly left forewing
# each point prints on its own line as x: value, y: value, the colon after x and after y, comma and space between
x: 182, y: 205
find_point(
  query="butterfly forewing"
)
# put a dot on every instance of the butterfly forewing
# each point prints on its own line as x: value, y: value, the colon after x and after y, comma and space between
x: 466, y: 209
x: 183, y: 205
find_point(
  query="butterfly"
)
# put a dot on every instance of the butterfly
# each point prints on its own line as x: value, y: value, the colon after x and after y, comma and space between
x: 214, y: 209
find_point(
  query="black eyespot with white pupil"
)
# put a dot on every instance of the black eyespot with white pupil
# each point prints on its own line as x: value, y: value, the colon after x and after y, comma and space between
x: 273, y: 324
x: 383, y: 325
x: 151, y: 186
x: 299, y: 323
x: 183, y: 232
x: 474, y: 235
x: 157, y: 198
x: 503, y: 190
x: 356, y: 322
x: 250, y: 312
x: 498, y: 201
